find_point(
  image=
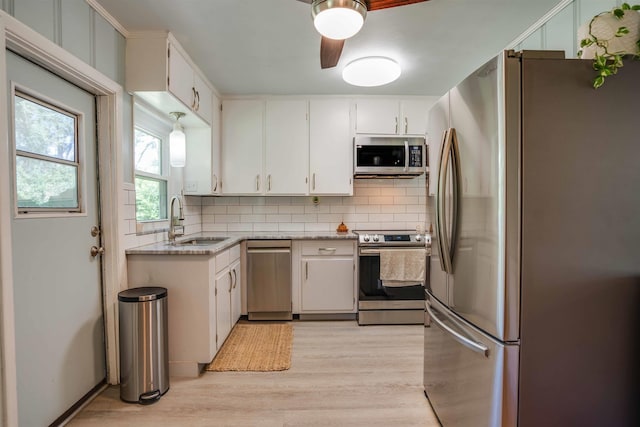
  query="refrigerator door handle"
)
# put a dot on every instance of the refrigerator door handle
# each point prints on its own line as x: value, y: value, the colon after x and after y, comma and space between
x: 470, y: 344
x: 441, y: 188
x: 456, y: 182
x: 448, y: 152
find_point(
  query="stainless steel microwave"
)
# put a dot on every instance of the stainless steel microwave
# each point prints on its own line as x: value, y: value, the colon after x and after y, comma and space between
x: 389, y: 157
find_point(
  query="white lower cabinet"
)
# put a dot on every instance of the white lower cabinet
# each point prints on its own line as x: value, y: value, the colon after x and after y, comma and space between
x: 224, y: 282
x: 227, y: 292
x: 327, y: 271
x: 201, y: 297
x: 236, y: 294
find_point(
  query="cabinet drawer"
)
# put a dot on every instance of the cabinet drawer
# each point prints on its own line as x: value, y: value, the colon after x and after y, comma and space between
x: 328, y: 247
x: 222, y: 260
x: 234, y: 253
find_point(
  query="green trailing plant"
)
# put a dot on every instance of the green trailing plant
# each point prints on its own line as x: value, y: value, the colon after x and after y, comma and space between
x: 607, y: 63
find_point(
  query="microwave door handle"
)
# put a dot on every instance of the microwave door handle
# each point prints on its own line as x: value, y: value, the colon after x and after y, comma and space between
x: 406, y: 155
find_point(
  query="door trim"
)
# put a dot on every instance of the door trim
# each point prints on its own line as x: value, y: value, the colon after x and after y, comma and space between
x: 26, y: 42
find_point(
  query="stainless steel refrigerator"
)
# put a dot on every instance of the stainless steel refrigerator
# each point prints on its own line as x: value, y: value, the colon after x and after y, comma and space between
x: 533, y: 309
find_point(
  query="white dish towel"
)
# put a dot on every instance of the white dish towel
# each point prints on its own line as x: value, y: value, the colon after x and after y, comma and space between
x: 402, y: 267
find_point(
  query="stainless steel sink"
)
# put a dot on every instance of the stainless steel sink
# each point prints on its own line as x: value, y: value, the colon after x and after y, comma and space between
x: 201, y: 241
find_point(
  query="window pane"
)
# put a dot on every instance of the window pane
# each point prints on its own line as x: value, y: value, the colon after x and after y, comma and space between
x: 148, y: 152
x: 44, y: 184
x: 151, y: 199
x: 45, y: 131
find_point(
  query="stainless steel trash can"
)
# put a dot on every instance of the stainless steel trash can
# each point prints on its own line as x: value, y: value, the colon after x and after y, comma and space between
x: 144, y: 346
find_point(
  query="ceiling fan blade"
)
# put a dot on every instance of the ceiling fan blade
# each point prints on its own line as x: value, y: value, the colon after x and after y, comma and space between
x: 330, y: 51
x: 385, y: 4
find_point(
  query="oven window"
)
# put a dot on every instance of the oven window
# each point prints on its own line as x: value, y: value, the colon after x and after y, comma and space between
x: 380, y: 155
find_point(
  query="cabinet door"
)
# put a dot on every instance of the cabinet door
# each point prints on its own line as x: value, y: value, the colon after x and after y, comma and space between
x: 286, y: 147
x: 198, y: 167
x: 204, y: 98
x: 180, y: 77
x: 216, y: 146
x: 242, y: 146
x: 330, y: 147
x: 437, y: 124
x: 414, y: 116
x: 327, y: 284
x: 378, y: 116
x: 236, y: 299
x: 223, y: 305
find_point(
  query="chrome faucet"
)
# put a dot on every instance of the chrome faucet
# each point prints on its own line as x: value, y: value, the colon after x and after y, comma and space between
x: 175, y: 221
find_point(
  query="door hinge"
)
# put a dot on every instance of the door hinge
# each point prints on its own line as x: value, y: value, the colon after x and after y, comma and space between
x: 220, y: 107
x: 168, y: 51
x: 216, y: 339
x: 216, y: 293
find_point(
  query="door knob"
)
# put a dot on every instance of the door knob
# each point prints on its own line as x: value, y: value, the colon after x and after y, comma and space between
x: 95, y: 251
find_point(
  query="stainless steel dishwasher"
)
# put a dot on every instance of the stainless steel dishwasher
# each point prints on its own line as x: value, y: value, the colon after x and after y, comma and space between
x: 269, y: 279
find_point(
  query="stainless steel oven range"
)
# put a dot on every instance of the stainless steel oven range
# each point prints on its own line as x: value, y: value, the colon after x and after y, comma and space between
x: 379, y: 304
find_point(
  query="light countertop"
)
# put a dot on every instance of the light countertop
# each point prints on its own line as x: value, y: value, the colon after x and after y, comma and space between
x: 231, y: 239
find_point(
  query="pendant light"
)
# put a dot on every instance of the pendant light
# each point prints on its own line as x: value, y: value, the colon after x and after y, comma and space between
x: 177, y: 143
x: 338, y: 19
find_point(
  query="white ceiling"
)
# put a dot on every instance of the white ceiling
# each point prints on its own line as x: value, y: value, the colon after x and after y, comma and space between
x: 271, y: 47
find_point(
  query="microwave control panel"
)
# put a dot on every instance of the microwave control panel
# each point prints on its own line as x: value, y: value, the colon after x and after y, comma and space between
x: 415, y: 156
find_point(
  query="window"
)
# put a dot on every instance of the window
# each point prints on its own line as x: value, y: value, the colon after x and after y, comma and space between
x: 150, y: 179
x: 46, y: 143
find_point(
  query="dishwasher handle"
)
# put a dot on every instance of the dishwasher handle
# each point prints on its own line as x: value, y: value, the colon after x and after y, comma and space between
x: 269, y: 251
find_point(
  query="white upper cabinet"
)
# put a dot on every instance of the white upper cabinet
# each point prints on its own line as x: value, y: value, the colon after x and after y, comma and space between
x: 386, y: 116
x: 330, y: 147
x: 378, y: 116
x: 160, y: 72
x: 242, y: 140
x: 286, y: 147
x: 202, y: 173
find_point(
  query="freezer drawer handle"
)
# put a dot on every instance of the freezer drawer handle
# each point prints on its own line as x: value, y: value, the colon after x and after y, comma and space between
x: 477, y: 347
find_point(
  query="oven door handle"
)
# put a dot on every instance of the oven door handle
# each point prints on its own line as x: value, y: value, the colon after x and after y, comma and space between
x: 369, y: 252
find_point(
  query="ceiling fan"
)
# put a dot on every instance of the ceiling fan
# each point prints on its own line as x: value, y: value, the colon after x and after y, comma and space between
x: 348, y: 18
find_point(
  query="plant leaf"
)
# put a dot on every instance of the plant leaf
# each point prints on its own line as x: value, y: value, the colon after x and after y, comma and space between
x: 625, y: 6
x: 622, y: 31
x: 586, y: 42
x: 618, y: 13
x: 597, y: 82
x: 635, y: 7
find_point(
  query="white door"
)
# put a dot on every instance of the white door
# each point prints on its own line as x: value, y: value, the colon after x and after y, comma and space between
x: 378, y: 116
x: 224, y: 283
x: 327, y: 284
x: 60, y: 345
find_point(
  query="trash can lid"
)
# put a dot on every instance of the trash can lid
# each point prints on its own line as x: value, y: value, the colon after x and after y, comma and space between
x: 141, y: 294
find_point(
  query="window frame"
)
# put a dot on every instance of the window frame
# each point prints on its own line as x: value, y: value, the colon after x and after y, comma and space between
x: 148, y: 121
x: 79, y: 164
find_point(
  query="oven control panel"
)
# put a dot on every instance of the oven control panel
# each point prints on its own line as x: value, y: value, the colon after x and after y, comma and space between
x: 393, y: 239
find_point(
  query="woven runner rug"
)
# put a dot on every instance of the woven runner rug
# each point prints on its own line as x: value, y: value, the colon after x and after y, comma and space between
x: 255, y: 347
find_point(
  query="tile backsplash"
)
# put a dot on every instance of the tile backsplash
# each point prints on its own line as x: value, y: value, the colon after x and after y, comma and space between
x: 399, y: 204
x: 376, y: 204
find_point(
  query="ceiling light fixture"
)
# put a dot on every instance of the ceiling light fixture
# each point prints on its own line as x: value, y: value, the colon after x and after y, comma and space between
x: 177, y: 143
x: 371, y: 71
x: 338, y: 19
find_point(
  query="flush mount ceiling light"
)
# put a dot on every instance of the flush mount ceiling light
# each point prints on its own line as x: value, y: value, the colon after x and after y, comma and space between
x: 371, y: 71
x: 338, y: 19
x: 177, y: 143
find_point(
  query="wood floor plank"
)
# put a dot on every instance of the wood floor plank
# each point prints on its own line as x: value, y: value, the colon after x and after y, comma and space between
x: 341, y: 374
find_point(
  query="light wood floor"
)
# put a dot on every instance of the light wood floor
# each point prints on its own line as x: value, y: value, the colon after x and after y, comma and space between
x: 342, y: 374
